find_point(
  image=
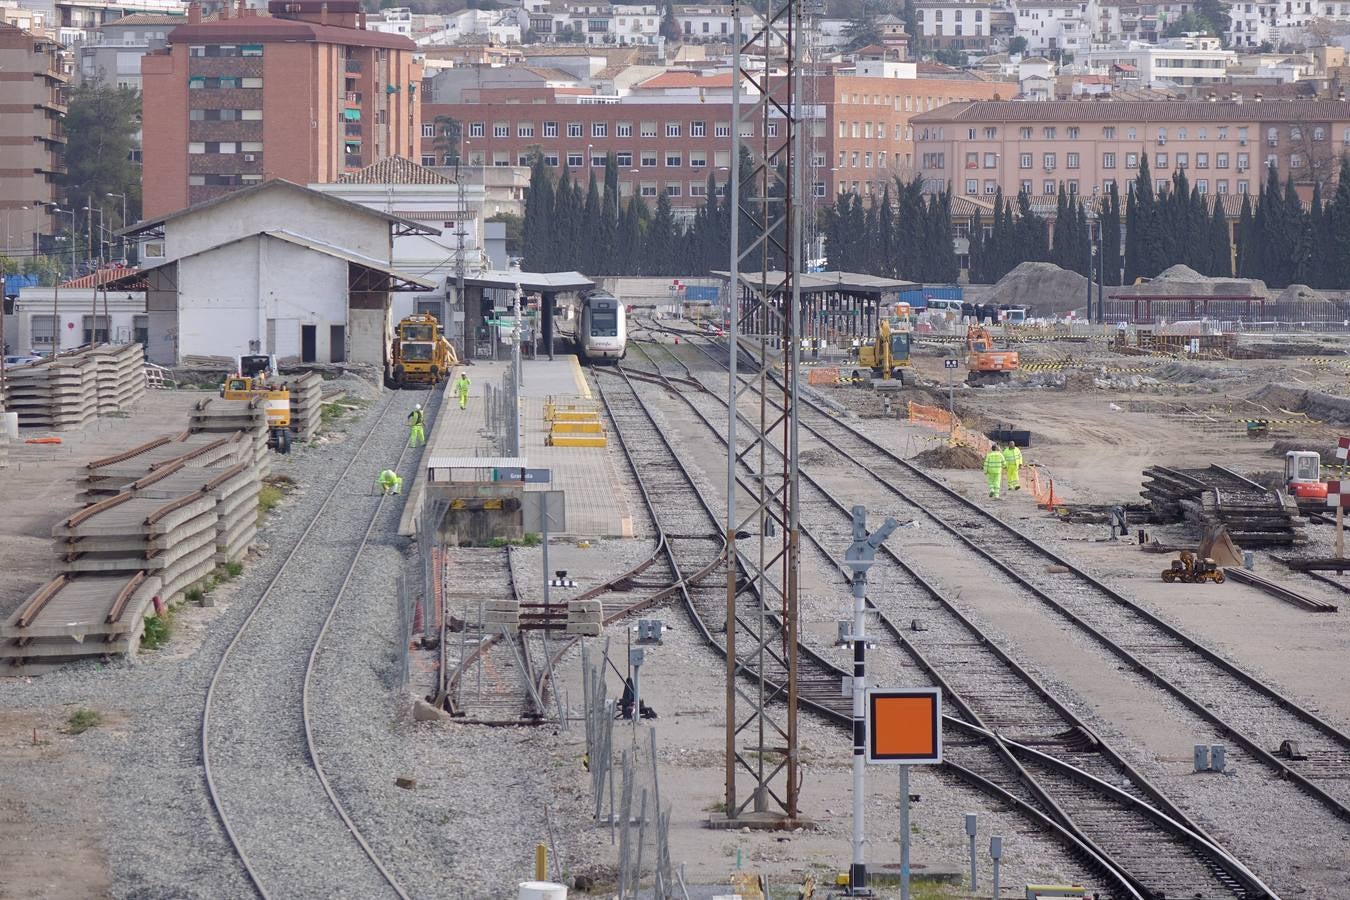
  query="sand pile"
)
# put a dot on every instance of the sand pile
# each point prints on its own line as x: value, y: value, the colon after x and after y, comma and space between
x: 1294, y: 399
x: 1181, y: 272
x: 1301, y: 293
x: 1044, y: 287
x: 945, y: 457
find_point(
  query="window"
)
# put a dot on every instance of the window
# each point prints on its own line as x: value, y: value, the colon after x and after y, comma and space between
x: 1319, y: 133
x: 647, y: 189
x: 1202, y: 186
x: 773, y: 129
x: 672, y: 129
x: 722, y: 158
x: 1273, y: 137
x: 624, y: 160
x: 551, y: 159
x: 698, y: 159
x: 1221, y: 186
x: 95, y: 329
x: 501, y: 130
x: 991, y: 160
x: 427, y: 130
x: 1048, y: 132
x: 1049, y: 187
x: 551, y: 129
x: 1024, y: 186
x: 523, y: 160
x: 1162, y: 135
x: 1071, y: 160
x: 623, y: 129
x: 44, y: 329
x: 1161, y: 162
x: 1073, y: 132
x: 574, y: 129
x: 673, y: 189
x: 990, y: 134
x: 1073, y: 186
x: 1108, y: 160
x: 972, y: 186
x: 196, y: 147
x: 881, y: 160
x: 1048, y: 160
x: 1243, y: 162
x: 428, y: 160
x: 817, y: 160
x: 853, y: 159
x: 1295, y: 133
x: 1202, y: 160
x: 722, y: 129
x: 843, y: 158
x: 990, y: 186
x: 251, y: 115
x: 247, y: 82
x: 698, y: 129
x: 867, y: 160
x: 475, y: 129
x: 1181, y: 134
x: 1025, y: 134
x: 1242, y: 187
x: 972, y: 160
x: 1295, y: 161
x: 648, y: 130
x: 525, y: 129
x: 1109, y: 133
x: 574, y: 160
x: 597, y: 160
x: 1025, y: 161
x: 1220, y: 160
x: 673, y: 160
x: 1130, y: 134
x: 933, y: 161
x: 648, y: 159
x: 1183, y: 160
x: 698, y: 189
x: 599, y: 129
x: 817, y: 189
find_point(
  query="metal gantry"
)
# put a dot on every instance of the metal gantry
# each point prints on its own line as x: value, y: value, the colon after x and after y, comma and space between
x: 762, y: 777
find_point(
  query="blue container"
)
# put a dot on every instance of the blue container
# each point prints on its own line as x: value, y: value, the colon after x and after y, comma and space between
x: 700, y: 292
x: 918, y: 297
x: 14, y: 282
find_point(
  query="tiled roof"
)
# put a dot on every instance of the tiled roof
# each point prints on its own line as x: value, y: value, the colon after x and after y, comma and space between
x: 548, y: 74
x: 147, y: 19
x: 686, y: 80
x: 394, y: 170
x: 1138, y: 110
x: 100, y: 278
x: 263, y: 28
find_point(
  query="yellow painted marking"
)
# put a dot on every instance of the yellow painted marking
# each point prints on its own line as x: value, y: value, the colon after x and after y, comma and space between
x: 583, y: 388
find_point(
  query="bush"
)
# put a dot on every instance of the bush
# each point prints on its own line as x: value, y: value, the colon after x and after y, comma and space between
x: 81, y: 720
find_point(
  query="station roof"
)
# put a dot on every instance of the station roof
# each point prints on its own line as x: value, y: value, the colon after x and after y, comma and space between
x: 824, y: 282
x: 551, y: 282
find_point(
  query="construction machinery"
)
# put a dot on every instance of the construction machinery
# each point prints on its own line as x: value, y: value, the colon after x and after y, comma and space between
x: 1303, y: 480
x: 419, y: 353
x: 985, y: 363
x: 887, y: 356
x: 1188, y: 568
x: 253, y: 380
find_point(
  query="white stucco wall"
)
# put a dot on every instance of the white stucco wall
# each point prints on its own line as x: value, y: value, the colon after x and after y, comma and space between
x: 71, y: 308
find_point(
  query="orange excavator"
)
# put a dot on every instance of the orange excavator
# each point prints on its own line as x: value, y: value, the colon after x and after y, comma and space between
x: 985, y: 363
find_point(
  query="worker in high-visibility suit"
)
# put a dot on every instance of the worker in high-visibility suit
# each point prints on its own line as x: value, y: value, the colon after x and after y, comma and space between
x: 993, y: 470
x: 1012, y: 463
x: 462, y: 390
x: 417, y: 435
x: 390, y: 483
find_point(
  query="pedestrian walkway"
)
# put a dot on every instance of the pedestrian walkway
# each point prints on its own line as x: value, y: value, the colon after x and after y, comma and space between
x: 587, y: 475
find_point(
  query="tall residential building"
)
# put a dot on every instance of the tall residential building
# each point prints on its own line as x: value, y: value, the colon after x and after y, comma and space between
x: 32, y: 103
x: 306, y: 93
x: 113, y: 56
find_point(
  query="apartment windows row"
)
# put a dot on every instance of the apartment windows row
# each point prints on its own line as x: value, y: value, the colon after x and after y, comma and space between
x: 1109, y: 133
x: 225, y: 115
x: 204, y: 50
x: 905, y: 102
x: 1050, y: 187
x: 865, y: 131
x: 223, y: 82
x: 222, y: 180
x: 856, y: 159
x: 649, y: 129
x: 576, y: 159
x: 1049, y: 161
x: 214, y: 147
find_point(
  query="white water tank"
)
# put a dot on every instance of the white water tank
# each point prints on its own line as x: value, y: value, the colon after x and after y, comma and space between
x: 542, y: 890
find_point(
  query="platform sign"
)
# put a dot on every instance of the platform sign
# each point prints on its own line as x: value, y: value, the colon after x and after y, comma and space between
x: 904, y: 726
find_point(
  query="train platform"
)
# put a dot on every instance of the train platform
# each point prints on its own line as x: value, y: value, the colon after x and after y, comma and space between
x: 586, y: 475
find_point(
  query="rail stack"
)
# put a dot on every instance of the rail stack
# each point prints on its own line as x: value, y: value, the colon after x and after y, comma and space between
x: 85, y: 616
x: 119, y: 376
x: 60, y: 395
x: 214, y: 416
x: 1253, y: 515
x: 306, y: 405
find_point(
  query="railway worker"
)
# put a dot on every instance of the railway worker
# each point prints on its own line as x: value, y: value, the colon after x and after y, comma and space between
x: 416, y: 431
x: 993, y: 470
x: 462, y: 390
x: 390, y: 482
x: 1012, y: 463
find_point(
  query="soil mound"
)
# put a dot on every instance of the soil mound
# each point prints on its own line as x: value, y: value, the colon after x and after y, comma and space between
x: 1294, y: 399
x: 1300, y: 293
x: 1044, y: 287
x: 1181, y: 272
x: 946, y: 457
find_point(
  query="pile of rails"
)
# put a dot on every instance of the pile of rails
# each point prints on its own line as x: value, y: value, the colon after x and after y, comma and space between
x: 162, y: 516
x: 1253, y: 515
x: 65, y: 392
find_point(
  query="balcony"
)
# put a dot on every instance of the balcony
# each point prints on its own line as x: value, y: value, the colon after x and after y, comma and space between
x: 352, y: 130
x: 352, y: 66
x: 352, y: 162
x: 352, y: 98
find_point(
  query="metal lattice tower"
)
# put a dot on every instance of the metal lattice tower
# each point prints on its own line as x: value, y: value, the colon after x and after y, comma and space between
x: 762, y: 764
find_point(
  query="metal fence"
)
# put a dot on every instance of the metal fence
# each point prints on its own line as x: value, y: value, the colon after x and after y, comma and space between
x: 500, y: 403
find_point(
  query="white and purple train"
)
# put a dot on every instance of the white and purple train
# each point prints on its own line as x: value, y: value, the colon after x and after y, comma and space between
x: 602, y: 331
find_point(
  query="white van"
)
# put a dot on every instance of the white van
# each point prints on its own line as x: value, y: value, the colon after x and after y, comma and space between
x: 936, y: 305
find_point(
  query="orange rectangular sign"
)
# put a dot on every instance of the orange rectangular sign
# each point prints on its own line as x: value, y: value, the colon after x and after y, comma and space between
x: 904, y: 726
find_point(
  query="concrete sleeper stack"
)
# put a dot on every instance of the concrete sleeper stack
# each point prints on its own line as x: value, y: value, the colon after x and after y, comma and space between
x: 70, y: 618
x: 306, y: 405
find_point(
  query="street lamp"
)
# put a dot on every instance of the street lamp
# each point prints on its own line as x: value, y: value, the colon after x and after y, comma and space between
x: 92, y: 210
x: 110, y: 195
x: 8, y: 212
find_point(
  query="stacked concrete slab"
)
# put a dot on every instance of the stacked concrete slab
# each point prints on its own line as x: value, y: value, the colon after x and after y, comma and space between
x: 306, y: 405
x: 119, y: 376
x: 216, y: 416
x: 115, y: 474
x: 236, y: 490
x: 60, y: 395
x: 72, y: 617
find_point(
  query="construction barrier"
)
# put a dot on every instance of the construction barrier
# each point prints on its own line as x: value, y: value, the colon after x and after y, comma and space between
x: 940, y: 420
x: 1042, y: 487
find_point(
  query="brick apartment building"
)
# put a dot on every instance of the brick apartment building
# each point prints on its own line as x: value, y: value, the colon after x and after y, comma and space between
x: 1224, y: 147
x: 668, y: 143
x: 32, y: 102
x: 305, y: 94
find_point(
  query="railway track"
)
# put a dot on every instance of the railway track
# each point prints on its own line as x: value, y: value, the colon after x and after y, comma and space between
x: 1149, y: 840
x: 265, y: 780
x: 1235, y: 703
x: 1135, y: 849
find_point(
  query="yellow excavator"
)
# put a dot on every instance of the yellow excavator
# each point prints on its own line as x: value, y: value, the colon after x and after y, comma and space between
x: 887, y: 356
x: 251, y: 380
x: 420, y: 354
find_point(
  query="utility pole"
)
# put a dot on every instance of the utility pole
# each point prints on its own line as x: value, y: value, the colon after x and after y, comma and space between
x: 514, y: 331
x: 459, y: 242
x: 859, y: 557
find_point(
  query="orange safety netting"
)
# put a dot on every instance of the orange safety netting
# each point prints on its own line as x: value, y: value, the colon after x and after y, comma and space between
x: 1038, y: 481
x: 823, y: 375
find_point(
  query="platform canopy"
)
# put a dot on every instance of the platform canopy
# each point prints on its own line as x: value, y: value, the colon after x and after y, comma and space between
x: 542, y: 282
x: 823, y: 282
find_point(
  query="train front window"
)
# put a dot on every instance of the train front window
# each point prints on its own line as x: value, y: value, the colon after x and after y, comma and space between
x: 604, y: 323
x: 417, y: 352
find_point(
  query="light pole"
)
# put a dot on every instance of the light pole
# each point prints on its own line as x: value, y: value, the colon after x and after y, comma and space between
x: 95, y: 211
x: 8, y: 213
x: 56, y: 288
x: 123, y: 220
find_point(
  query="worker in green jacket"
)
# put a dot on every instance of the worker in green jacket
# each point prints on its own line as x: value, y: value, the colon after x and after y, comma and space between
x: 1012, y: 462
x: 993, y: 470
x: 462, y: 390
x: 390, y: 483
x: 417, y: 435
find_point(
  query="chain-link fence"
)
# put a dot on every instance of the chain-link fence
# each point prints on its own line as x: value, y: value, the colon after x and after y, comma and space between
x: 500, y: 404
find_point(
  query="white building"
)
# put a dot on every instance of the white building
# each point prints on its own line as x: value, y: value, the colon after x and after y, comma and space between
x: 1301, y: 23
x: 81, y: 316
x: 1053, y: 26
x: 1179, y: 61
x: 273, y: 268
x: 714, y: 23
x: 956, y: 24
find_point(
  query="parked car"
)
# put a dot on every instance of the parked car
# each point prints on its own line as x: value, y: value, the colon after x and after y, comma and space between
x: 21, y: 360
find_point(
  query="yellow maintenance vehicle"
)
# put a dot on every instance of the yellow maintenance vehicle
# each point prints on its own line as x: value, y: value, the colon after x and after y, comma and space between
x: 419, y: 354
x: 887, y: 356
x: 252, y: 380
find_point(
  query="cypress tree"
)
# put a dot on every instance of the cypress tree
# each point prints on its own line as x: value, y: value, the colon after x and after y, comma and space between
x: 1198, y: 253
x: 660, y: 239
x: 946, y: 268
x: 1321, y: 250
x: 628, y: 241
x: 871, y: 240
x: 1220, y: 244
x: 1246, y: 235
x: 835, y: 216
x: 608, y: 257
x: 592, y: 250
x: 537, y: 229
x: 1300, y: 238
x: 856, y: 231
x: 885, y: 258
x: 1083, y: 240
x: 1110, y: 231
x: 1131, y: 237
x: 1273, y: 245
x: 1061, y: 253
x: 1337, y: 220
x: 1150, y: 251
x: 975, y: 263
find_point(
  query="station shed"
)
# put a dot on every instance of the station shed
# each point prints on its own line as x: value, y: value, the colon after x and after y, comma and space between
x: 836, y: 306
x: 492, y: 288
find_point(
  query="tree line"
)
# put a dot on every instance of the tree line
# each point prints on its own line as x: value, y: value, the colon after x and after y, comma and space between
x: 910, y: 239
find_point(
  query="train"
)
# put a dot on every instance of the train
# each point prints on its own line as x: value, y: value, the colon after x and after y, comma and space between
x: 602, y: 331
